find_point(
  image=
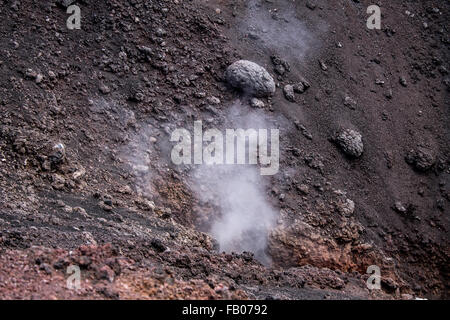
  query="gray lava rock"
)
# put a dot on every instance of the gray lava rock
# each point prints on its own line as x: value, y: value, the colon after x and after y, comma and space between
x: 399, y: 207
x: 58, y: 154
x: 256, y: 103
x: 350, y: 141
x: 421, y: 159
x: 104, y: 88
x: 250, y: 78
x: 288, y: 91
x: 350, y: 102
x: 301, y: 87
x: 403, y: 81
x: 279, y: 69
x: 281, y: 66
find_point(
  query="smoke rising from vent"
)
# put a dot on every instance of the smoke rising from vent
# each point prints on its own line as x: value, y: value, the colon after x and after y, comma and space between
x: 245, y: 215
x: 239, y: 193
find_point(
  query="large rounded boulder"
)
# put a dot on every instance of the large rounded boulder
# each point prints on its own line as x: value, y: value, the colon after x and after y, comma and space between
x: 350, y: 141
x: 251, y: 78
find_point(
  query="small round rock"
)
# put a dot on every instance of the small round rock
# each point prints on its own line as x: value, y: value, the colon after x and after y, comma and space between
x: 256, y: 103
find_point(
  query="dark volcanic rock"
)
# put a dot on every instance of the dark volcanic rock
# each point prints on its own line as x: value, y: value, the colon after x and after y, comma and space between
x: 158, y: 245
x: 421, y: 158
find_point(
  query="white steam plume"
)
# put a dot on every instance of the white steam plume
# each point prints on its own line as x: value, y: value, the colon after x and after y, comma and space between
x: 245, y: 215
x: 239, y: 192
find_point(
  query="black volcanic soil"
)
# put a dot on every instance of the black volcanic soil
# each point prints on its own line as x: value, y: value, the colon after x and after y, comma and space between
x: 139, y: 69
